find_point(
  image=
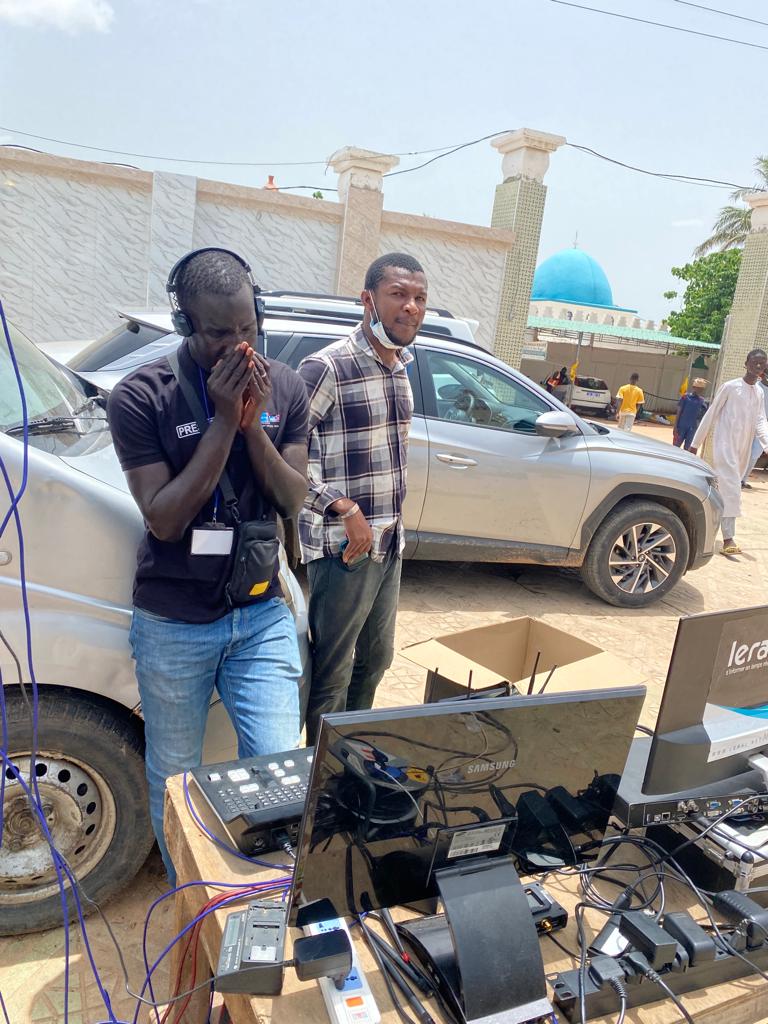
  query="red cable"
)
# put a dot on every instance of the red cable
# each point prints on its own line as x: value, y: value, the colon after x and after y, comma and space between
x: 194, y: 936
x: 177, y: 986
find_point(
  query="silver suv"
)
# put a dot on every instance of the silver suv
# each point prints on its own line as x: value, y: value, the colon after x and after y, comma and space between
x: 498, y: 469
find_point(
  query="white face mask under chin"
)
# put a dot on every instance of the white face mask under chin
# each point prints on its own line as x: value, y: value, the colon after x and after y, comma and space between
x: 379, y: 331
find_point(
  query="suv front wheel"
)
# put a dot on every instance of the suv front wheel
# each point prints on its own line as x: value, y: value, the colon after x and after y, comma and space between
x: 637, y: 555
x: 89, y: 772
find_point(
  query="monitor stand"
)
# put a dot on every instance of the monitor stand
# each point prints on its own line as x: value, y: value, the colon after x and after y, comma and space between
x: 483, y: 954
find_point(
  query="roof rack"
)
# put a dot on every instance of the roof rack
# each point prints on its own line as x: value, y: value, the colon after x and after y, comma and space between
x: 438, y: 310
x: 330, y: 316
x: 428, y: 330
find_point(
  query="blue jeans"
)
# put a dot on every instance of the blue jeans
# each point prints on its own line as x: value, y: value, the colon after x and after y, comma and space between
x: 250, y: 655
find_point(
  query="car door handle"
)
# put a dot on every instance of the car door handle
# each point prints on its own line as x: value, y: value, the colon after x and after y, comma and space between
x: 455, y: 461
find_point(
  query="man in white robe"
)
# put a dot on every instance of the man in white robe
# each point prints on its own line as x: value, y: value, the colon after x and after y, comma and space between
x: 735, y: 416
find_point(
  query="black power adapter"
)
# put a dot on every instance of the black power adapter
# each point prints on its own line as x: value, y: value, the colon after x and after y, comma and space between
x: 649, y: 938
x: 737, y: 907
x: 699, y: 946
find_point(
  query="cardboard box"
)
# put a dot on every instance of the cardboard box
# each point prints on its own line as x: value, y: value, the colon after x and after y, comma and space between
x: 507, y: 652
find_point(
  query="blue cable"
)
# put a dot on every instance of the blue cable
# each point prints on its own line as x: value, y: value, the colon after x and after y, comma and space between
x: 158, y: 901
x: 3, y: 746
x: 33, y: 776
x: 37, y: 802
x: 252, y: 889
x: 16, y: 498
x: 2, y: 1007
x: 14, y: 511
x: 60, y: 863
x: 277, y: 883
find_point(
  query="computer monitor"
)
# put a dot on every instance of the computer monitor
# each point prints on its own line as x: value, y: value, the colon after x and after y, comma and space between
x: 714, y: 710
x: 398, y: 794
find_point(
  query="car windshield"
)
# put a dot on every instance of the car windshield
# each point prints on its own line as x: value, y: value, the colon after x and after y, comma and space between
x: 129, y: 345
x: 49, y: 390
x: 592, y: 383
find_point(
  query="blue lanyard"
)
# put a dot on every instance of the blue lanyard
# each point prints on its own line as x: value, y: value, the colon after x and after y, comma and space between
x: 208, y: 417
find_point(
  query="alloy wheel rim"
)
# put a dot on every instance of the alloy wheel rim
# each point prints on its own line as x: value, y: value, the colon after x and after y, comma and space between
x: 642, y: 558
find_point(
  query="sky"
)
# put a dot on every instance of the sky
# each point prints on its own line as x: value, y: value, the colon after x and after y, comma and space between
x: 289, y: 80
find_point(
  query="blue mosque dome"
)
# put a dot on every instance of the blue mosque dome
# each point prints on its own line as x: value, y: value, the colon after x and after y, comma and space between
x: 572, y: 275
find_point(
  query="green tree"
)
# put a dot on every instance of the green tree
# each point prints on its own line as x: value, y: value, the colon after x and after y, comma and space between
x: 733, y: 223
x: 708, y: 296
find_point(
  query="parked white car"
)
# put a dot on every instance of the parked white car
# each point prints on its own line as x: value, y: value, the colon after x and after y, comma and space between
x: 589, y: 395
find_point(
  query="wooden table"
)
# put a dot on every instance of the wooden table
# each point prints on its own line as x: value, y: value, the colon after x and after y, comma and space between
x: 740, y: 1002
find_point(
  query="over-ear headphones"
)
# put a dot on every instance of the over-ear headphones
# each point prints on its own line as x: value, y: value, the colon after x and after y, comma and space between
x: 180, y: 319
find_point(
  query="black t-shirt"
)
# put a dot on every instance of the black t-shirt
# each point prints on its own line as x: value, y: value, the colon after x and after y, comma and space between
x: 152, y: 422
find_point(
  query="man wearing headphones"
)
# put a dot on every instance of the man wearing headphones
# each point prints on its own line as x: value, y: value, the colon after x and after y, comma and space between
x: 211, y: 439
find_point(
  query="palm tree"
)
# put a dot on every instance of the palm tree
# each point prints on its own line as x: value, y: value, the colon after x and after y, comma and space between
x: 733, y: 223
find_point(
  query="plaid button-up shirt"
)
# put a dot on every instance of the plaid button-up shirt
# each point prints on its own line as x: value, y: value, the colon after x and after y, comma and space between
x: 360, y: 413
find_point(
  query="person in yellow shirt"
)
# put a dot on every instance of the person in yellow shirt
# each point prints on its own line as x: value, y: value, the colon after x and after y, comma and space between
x: 631, y: 397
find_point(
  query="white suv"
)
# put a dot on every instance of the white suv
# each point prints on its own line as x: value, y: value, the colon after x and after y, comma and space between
x: 589, y: 394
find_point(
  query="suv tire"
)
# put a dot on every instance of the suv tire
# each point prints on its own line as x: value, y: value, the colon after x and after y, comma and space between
x: 90, y: 774
x: 637, y: 554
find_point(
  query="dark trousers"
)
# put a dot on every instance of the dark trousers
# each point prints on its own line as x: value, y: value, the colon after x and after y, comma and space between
x: 352, y: 626
x: 684, y: 439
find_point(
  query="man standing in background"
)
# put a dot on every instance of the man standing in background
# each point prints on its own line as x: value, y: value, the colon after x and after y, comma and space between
x: 631, y: 398
x: 736, y: 415
x: 690, y: 410
x: 351, y: 526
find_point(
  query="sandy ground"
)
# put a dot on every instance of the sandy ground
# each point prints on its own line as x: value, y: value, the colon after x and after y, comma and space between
x: 436, y: 598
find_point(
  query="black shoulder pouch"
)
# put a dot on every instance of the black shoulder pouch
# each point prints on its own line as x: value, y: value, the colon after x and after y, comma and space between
x: 256, y: 546
x: 253, y: 567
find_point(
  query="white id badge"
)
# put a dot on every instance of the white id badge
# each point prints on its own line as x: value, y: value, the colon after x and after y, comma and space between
x: 212, y: 540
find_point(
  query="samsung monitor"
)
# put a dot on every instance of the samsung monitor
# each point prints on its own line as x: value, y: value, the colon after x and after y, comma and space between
x: 713, y: 718
x: 397, y: 794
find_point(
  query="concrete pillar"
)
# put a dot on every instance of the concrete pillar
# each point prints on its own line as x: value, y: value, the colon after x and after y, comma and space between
x: 171, y: 229
x: 361, y: 175
x: 519, y: 206
x: 748, y: 323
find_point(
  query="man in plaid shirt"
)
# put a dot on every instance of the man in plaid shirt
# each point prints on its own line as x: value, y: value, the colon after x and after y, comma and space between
x: 351, y: 527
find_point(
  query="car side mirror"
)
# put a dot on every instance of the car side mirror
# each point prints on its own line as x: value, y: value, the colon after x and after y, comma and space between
x: 555, y: 424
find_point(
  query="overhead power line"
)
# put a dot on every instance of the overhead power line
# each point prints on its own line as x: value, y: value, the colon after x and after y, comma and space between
x: 455, y: 149
x: 685, y: 179
x: 659, y: 24
x: 725, y: 14
x: 218, y: 163
x: 441, y: 151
